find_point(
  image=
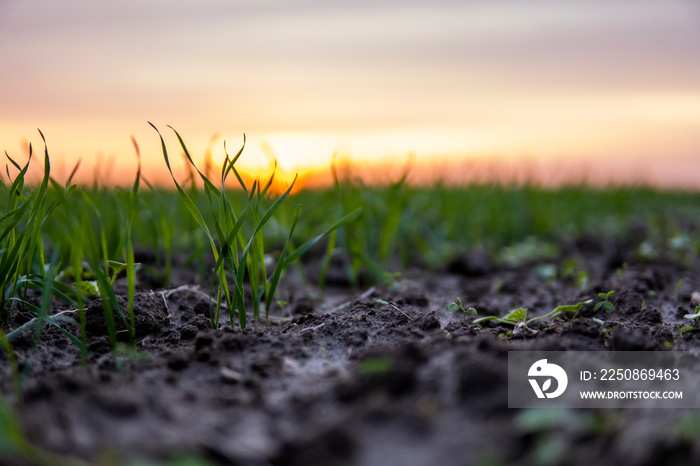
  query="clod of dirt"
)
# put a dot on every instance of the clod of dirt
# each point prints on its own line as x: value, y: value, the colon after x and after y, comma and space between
x: 201, y: 322
x: 584, y: 326
x: 427, y: 322
x: 202, y: 307
x: 355, y: 338
x: 460, y: 329
x: 628, y: 302
x: 203, y: 341
x: 150, y: 316
x: 188, y: 332
x: 650, y: 316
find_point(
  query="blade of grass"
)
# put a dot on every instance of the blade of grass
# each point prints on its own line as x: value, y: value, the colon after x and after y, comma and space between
x: 14, y: 368
x: 263, y: 220
x: 191, y: 206
x: 129, y: 252
x: 301, y: 250
x: 276, y: 274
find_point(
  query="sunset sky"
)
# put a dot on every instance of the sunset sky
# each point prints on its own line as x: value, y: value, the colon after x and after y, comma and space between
x: 605, y: 82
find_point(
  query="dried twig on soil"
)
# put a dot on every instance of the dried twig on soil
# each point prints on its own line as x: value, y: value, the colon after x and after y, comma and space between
x: 308, y: 329
x: 399, y: 309
x: 341, y: 325
x: 167, y: 308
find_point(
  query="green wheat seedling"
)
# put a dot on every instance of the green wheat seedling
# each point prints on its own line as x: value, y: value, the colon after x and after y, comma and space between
x: 679, y: 285
x: 252, y: 261
x: 255, y: 261
x: 164, y: 230
x: 233, y: 253
x: 42, y: 311
x: 229, y: 235
x: 75, y: 270
x: 20, y: 232
x: 129, y: 246
x: 22, y: 260
x: 95, y: 247
x: 14, y: 368
x: 225, y: 216
x: 326, y: 260
x: 112, y: 268
x: 365, y: 244
x: 254, y: 253
x: 431, y: 231
x: 160, y: 222
x: 81, y: 231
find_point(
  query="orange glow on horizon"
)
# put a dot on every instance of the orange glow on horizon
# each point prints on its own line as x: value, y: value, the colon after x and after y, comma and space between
x: 633, y: 129
x: 666, y: 173
x: 467, y: 91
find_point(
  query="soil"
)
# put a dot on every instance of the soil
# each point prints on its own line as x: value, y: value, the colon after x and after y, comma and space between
x: 379, y: 376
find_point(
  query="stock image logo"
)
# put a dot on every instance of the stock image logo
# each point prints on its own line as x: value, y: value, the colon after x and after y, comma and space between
x: 542, y: 370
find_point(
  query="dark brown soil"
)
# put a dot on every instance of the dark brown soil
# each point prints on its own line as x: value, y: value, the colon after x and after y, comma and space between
x: 383, y: 376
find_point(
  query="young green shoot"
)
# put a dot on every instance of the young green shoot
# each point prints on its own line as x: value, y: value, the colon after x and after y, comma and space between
x: 14, y: 368
x: 91, y: 288
x: 130, y: 267
x: 457, y: 306
x: 606, y: 301
x: 694, y: 317
x: 513, y: 318
x: 282, y: 304
x: 561, y: 310
x: 605, y: 327
x: 682, y: 328
x: 520, y: 315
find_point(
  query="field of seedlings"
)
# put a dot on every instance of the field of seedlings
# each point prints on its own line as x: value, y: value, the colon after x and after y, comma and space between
x: 224, y: 321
